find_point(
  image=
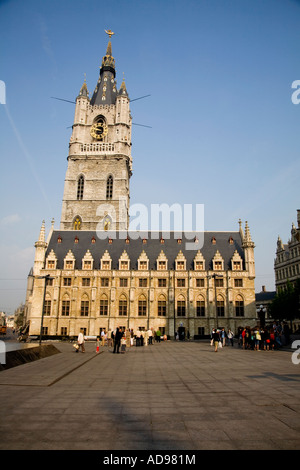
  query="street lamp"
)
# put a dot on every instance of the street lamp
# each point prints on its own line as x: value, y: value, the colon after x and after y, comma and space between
x: 43, y: 307
x: 261, y: 313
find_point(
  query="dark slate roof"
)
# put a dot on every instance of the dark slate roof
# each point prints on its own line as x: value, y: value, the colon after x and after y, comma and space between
x: 265, y: 296
x: 152, y: 247
x: 109, y: 93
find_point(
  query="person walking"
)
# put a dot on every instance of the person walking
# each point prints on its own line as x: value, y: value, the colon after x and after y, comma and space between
x: 80, y: 341
x: 216, y: 338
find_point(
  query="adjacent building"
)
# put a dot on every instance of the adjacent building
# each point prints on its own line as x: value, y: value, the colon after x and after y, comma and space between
x: 287, y: 261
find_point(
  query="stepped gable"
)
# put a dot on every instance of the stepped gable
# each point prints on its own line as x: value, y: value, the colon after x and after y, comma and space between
x: 88, y: 240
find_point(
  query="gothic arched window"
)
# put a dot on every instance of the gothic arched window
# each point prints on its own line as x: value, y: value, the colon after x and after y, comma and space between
x: 109, y: 187
x: 77, y: 223
x: 80, y: 187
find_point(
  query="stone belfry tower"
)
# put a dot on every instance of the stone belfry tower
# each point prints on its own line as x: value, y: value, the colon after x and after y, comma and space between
x: 96, y: 190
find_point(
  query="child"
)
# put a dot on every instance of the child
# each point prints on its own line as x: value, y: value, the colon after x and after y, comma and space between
x: 98, y: 344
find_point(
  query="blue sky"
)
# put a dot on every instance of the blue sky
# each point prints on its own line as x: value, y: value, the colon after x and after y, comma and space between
x: 224, y: 131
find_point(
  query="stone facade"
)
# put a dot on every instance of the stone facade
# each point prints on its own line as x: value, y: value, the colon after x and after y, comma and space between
x: 96, y: 190
x: 142, y: 283
x: 83, y: 278
x: 287, y: 261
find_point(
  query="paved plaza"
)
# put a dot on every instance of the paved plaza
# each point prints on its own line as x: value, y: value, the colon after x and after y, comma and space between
x: 168, y: 396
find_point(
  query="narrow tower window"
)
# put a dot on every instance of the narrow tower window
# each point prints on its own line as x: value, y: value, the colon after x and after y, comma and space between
x: 77, y: 223
x: 80, y: 187
x: 109, y: 187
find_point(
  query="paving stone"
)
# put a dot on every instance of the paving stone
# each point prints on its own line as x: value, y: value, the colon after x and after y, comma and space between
x: 172, y: 396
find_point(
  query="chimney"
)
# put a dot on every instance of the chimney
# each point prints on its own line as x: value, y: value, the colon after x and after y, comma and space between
x: 263, y: 289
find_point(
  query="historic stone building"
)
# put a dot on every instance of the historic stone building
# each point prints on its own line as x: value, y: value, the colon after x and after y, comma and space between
x: 93, y: 273
x: 287, y: 261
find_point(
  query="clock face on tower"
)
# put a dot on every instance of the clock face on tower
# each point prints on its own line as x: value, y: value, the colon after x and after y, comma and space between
x: 99, y: 130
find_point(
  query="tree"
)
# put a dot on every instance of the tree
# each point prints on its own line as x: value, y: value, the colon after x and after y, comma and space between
x: 286, y: 303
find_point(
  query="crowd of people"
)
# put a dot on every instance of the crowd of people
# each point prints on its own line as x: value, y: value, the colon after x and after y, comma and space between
x: 257, y: 339
x: 120, y: 338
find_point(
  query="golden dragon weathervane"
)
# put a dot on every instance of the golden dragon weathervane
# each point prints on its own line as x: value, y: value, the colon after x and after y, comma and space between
x: 109, y: 32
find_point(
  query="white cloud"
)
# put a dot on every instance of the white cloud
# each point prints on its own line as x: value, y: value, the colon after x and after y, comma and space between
x: 10, y: 219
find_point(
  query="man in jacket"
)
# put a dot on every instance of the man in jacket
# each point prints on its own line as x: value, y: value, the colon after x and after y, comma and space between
x: 117, y: 339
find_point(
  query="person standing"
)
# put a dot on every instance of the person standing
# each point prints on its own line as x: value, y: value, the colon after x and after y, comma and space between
x: 230, y: 336
x: 97, y: 345
x: 138, y: 338
x: 158, y: 335
x: 150, y: 335
x: 80, y: 341
x: 103, y: 333
x: 223, y: 337
x: 117, y: 340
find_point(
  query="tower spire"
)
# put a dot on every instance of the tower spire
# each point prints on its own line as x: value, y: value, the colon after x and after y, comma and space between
x: 106, y: 91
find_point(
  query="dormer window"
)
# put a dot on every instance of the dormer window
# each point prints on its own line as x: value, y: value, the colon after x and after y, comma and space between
x: 87, y: 264
x: 105, y: 262
x: 236, y: 265
x: 180, y: 262
x: 123, y: 264
x: 51, y: 260
x: 218, y: 262
x: 162, y: 265
x: 236, y: 262
x: 69, y: 264
x: 180, y: 265
x: 87, y: 261
x: 50, y: 264
x: 218, y: 265
x: 199, y: 262
x: 162, y: 262
x: 199, y: 265
x: 124, y: 261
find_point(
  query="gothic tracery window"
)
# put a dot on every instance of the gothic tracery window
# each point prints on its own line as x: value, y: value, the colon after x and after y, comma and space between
x: 77, y: 223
